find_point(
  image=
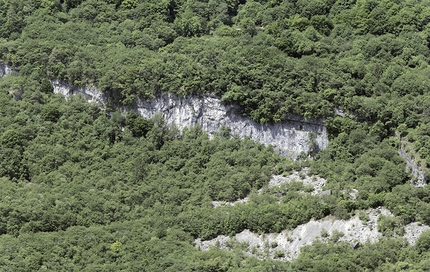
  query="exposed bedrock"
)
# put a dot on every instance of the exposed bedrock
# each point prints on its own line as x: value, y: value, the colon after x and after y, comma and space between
x: 414, y: 169
x: 290, y: 138
x: 354, y: 231
x: 5, y: 70
x: 91, y: 94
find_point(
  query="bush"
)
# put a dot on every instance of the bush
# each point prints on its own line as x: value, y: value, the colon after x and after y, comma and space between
x: 50, y: 113
x: 389, y: 226
x: 279, y: 254
x: 336, y: 235
x: 423, y: 242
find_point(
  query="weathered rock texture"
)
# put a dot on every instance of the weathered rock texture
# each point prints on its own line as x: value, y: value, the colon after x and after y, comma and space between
x: 415, y: 170
x: 5, y: 70
x: 316, y: 182
x: 290, y: 138
x: 90, y: 93
x: 289, y: 242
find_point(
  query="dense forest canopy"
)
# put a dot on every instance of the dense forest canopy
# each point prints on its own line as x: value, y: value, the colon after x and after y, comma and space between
x: 90, y: 190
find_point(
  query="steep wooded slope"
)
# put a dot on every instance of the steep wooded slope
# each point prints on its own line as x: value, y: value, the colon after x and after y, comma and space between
x: 367, y: 60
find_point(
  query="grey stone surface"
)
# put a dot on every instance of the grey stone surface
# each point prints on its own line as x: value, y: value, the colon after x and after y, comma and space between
x: 413, y: 231
x: 289, y: 138
x: 16, y: 94
x: 5, y: 70
x: 316, y: 182
x: 354, y: 231
x: 415, y: 170
x: 90, y: 93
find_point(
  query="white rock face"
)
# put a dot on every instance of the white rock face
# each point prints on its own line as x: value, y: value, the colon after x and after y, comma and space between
x: 291, y: 241
x: 316, y: 182
x: 90, y: 93
x: 290, y: 138
x: 5, y: 70
x: 413, y: 231
x: 414, y: 169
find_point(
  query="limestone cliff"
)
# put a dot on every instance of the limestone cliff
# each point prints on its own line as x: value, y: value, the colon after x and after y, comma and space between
x: 354, y: 231
x: 91, y: 94
x: 290, y: 138
x: 5, y: 70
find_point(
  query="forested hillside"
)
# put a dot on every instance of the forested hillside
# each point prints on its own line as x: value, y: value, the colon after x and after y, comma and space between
x: 83, y: 189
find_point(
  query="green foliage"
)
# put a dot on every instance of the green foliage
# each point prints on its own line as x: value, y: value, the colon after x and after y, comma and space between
x: 273, y: 59
x: 11, y: 138
x: 102, y: 191
x: 50, y: 113
x: 389, y: 226
x: 336, y: 235
x: 70, y: 173
x: 324, y: 233
x: 280, y: 254
x: 381, y: 256
x: 137, y: 125
x: 423, y: 242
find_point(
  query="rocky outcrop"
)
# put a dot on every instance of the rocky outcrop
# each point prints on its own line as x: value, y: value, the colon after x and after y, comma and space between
x: 411, y: 166
x: 290, y: 138
x: 287, y: 244
x: 5, y: 70
x: 415, y: 170
x: 315, y: 182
